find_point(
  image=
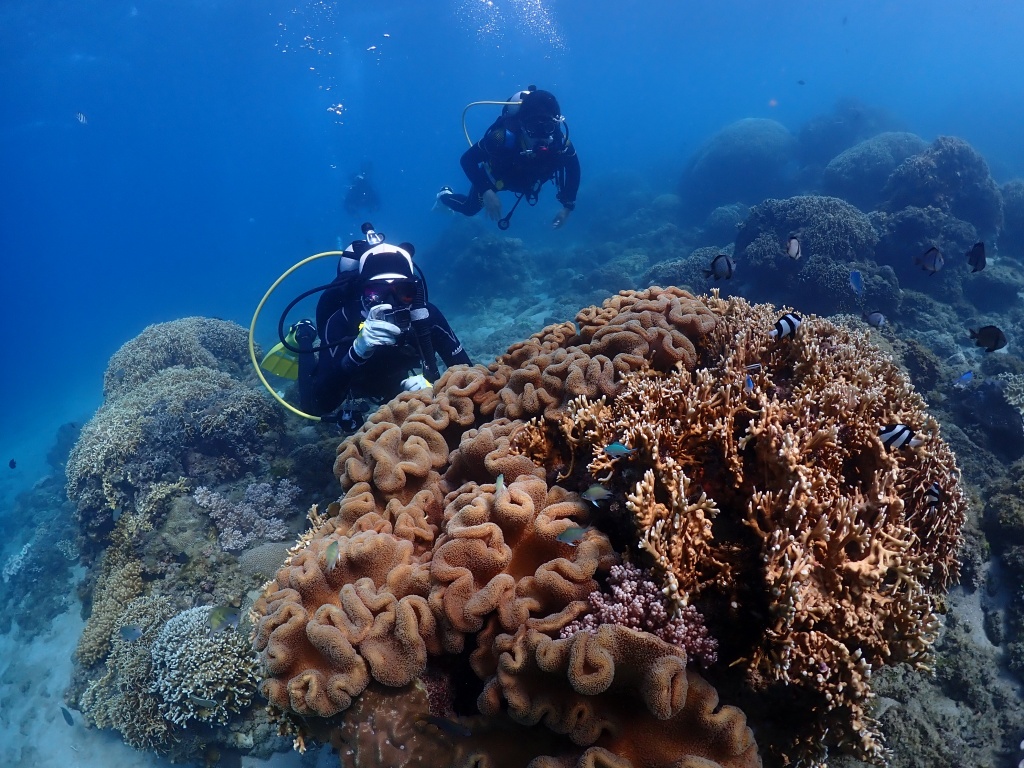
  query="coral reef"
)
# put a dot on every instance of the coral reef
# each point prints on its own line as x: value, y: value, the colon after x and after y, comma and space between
x: 745, y: 162
x: 859, y: 173
x: 773, y: 508
x: 951, y: 176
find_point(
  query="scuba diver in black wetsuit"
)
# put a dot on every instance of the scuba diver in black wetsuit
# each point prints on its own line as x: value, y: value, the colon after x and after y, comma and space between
x: 375, y: 326
x: 520, y: 152
x: 361, y: 194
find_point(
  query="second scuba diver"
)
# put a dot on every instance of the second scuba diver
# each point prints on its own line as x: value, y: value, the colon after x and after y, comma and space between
x: 521, y: 151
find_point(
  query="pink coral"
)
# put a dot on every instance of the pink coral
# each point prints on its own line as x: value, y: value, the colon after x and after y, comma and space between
x: 637, y: 602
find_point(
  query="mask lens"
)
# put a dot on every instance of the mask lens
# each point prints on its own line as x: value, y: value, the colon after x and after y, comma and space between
x: 373, y: 294
x: 405, y: 292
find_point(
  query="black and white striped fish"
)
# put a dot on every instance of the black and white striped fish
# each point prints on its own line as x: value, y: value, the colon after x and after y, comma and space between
x: 786, y: 326
x: 898, y: 436
x: 933, y: 496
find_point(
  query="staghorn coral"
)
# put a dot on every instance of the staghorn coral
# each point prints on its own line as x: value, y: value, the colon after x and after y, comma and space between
x: 431, y: 554
x: 190, y: 342
x: 777, y: 499
x: 199, y: 674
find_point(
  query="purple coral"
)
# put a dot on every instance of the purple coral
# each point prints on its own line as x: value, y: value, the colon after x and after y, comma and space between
x: 258, y: 517
x: 636, y: 601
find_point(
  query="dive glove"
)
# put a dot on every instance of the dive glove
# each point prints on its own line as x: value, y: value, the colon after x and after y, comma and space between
x: 375, y: 333
x: 416, y: 383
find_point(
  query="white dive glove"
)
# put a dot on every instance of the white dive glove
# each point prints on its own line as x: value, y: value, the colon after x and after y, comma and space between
x: 375, y: 333
x: 416, y: 383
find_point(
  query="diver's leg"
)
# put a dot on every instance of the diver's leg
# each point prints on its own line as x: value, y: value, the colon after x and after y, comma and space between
x: 467, y: 205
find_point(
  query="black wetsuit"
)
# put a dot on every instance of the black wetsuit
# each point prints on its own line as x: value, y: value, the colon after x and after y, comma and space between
x: 502, y: 161
x: 328, y: 378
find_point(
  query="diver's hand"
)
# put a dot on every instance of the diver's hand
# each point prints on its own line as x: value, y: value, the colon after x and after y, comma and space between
x: 416, y: 383
x: 492, y: 204
x: 560, y: 218
x: 375, y: 332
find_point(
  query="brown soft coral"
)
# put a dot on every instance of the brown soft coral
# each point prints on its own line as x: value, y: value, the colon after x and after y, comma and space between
x: 626, y: 692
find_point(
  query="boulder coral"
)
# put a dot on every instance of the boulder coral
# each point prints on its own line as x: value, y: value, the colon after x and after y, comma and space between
x: 462, y: 548
x: 952, y: 176
x: 859, y: 173
x: 745, y: 162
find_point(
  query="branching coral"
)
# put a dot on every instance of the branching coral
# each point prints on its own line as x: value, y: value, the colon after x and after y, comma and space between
x: 199, y: 674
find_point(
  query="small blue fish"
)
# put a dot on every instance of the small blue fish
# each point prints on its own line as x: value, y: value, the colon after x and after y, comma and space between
x: 499, y: 484
x: 67, y: 716
x: 964, y: 380
x: 596, y: 493
x: 857, y: 283
x: 571, y: 535
x: 130, y: 633
x: 617, y: 450
x: 750, y: 384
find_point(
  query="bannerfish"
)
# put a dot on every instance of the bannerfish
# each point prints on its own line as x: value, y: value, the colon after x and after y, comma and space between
x: 933, y: 496
x: 964, y: 380
x: 130, y: 633
x: 617, y: 450
x: 12, y: 463
x: 224, y: 616
x: 67, y: 716
x: 898, y: 435
x: 786, y: 326
x: 976, y: 257
x: 989, y: 338
x: 874, y: 319
x: 930, y: 261
x: 721, y: 268
x: 857, y: 283
x: 447, y: 725
x: 571, y: 535
x: 596, y: 493
x: 331, y: 556
x: 80, y: 117
x: 793, y: 249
